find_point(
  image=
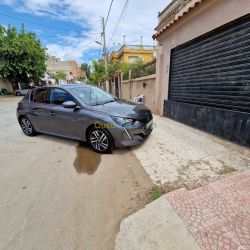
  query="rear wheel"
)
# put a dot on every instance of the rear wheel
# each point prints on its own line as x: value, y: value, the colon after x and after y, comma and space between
x: 27, y: 126
x: 100, y: 140
x: 18, y: 93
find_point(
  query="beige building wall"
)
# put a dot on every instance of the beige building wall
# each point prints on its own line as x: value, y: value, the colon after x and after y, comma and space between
x: 6, y: 85
x: 141, y: 86
x: 205, y: 17
x: 113, y: 89
x: 54, y: 65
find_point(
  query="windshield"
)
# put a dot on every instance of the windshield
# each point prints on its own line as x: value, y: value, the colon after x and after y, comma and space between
x: 92, y: 96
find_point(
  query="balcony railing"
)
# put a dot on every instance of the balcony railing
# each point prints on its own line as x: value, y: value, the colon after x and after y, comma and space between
x: 136, y: 47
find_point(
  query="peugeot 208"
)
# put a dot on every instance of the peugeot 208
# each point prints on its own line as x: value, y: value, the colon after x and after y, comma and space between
x: 86, y: 113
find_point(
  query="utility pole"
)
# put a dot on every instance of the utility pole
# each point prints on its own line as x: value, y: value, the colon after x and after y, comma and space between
x: 105, y: 52
x: 141, y: 40
x: 124, y: 40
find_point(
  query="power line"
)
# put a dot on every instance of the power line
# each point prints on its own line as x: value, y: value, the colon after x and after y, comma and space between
x: 119, y: 20
x: 61, y: 35
x: 28, y: 21
x: 109, y: 12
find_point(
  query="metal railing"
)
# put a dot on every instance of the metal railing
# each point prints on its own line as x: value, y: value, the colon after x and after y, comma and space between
x: 136, y: 47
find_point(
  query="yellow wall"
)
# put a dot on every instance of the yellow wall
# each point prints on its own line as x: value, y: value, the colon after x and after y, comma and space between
x: 145, y: 56
x: 124, y: 57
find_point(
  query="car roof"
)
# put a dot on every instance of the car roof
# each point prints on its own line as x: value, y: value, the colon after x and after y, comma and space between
x: 65, y: 86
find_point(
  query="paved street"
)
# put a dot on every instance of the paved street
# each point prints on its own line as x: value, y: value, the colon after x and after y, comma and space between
x: 58, y: 195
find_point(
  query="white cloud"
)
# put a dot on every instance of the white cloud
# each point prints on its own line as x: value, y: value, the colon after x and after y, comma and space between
x: 140, y: 20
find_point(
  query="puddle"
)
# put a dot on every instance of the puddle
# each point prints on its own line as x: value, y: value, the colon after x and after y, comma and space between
x: 86, y: 161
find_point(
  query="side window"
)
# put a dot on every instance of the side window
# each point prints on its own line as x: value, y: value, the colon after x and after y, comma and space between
x: 41, y: 96
x: 59, y: 96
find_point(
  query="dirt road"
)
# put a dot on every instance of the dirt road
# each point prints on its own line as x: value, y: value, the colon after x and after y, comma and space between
x: 57, y: 194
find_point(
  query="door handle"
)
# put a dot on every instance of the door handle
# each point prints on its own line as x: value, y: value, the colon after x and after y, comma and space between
x: 52, y: 113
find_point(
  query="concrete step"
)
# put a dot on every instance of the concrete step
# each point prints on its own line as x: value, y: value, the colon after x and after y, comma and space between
x: 155, y: 227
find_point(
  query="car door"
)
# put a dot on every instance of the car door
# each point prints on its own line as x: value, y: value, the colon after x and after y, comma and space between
x: 66, y: 122
x: 39, y: 109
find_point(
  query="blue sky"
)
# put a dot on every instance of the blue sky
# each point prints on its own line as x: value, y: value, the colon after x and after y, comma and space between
x: 69, y: 28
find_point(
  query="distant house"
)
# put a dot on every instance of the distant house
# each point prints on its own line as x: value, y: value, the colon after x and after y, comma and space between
x: 70, y: 68
x: 76, y: 70
x: 133, y: 53
x: 47, y: 79
x: 203, y: 76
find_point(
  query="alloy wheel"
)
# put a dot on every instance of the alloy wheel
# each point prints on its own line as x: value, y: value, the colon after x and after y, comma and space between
x: 26, y: 126
x: 99, y: 140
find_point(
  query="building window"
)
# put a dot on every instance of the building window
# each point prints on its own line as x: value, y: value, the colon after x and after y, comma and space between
x: 133, y: 59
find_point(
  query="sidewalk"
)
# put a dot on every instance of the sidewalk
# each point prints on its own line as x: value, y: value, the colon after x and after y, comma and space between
x: 176, y: 156
x: 156, y: 227
x: 216, y: 215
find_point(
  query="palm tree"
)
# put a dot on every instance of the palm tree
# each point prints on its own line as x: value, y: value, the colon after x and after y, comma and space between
x: 98, y: 74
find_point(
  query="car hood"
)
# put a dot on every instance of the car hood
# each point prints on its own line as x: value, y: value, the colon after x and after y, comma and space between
x: 124, y: 109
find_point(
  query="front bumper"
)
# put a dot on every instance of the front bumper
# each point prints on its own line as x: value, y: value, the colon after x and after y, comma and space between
x: 131, y: 136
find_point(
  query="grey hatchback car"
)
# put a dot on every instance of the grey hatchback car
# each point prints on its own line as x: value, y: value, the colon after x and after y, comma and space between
x: 85, y: 113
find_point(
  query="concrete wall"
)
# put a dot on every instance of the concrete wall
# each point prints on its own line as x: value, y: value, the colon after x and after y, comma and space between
x: 140, y: 86
x: 6, y: 85
x: 204, y: 18
x: 112, y: 88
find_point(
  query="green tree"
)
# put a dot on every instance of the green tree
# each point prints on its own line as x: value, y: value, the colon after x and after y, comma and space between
x: 22, y: 56
x: 87, y: 68
x: 98, y: 74
x: 113, y: 67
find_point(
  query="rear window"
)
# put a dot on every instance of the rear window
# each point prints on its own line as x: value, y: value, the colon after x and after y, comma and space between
x: 41, y: 96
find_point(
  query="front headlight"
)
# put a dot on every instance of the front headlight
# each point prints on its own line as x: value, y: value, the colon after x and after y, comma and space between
x: 123, y: 121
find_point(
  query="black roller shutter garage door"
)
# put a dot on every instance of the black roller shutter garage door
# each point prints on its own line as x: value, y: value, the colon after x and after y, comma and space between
x: 209, y: 85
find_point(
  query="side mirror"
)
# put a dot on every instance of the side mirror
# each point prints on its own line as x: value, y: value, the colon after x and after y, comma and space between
x: 69, y: 105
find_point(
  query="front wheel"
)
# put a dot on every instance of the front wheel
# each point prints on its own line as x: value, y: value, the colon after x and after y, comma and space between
x: 18, y: 93
x: 27, y: 126
x: 100, y: 140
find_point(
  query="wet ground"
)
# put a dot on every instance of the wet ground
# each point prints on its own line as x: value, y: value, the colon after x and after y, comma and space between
x: 58, y: 194
x: 86, y: 161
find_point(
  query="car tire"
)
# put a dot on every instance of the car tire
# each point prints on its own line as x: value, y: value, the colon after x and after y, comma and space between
x: 100, y: 140
x: 18, y: 93
x: 26, y: 126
